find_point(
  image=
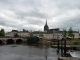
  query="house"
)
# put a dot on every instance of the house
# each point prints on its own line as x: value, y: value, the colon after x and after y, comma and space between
x: 23, y: 33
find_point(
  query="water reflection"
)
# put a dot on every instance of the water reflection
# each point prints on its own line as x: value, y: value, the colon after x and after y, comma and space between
x: 27, y: 53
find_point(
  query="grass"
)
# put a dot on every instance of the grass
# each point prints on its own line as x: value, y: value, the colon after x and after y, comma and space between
x: 75, y: 45
x: 76, y: 38
x: 72, y: 38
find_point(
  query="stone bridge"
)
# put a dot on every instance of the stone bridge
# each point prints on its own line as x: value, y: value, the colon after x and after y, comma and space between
x: 11, y: 40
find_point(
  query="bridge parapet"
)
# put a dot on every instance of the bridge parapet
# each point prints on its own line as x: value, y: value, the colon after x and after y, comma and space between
x: 4, y: 39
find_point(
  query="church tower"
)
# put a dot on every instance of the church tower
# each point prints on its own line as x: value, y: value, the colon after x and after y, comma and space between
x: 46, y: 27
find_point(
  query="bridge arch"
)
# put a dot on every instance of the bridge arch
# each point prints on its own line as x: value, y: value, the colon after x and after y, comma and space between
x: 10, y: 41
x: 19, y: 41
x: 1, y: 42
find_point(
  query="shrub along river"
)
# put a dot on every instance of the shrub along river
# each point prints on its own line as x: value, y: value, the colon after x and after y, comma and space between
x: 21, y: 52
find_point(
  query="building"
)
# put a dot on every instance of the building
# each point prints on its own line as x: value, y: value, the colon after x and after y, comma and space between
x: 46, y: 27
x: 56, y: 33
x: 47, y: 33
x: 23, y: 33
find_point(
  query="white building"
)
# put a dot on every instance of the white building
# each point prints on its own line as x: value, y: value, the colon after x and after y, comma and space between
x: 48, y: 36
x: 19, y: 33
x: 45, y: 35
x: 58, y: 35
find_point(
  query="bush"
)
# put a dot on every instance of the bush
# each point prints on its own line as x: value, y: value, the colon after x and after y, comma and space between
x: 79, y: 38
x: 75, y: 43
x: 69, y: 38
x: 32, y: 40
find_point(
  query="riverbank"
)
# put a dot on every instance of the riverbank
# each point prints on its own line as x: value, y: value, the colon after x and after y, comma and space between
x: 68, y: 58
x: 68, y: 47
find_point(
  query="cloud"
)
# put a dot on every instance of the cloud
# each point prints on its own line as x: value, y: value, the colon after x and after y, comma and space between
x: 32, y: 14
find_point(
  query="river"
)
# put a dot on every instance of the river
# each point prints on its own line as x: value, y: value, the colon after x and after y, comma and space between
x: 21, y: 52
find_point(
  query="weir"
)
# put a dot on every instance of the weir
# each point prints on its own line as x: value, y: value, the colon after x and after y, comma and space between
x: 61, y: 45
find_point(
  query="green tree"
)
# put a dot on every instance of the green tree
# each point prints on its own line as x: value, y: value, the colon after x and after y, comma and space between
x: 2, y: 32
x: 70, y: 33
x: 32, y: 40
x: 16, y: 35
x: 31, y: 34
x: 64, y: 33
x: 40, y: 34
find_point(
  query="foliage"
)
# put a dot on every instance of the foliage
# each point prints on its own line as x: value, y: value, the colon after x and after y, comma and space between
x: 79, y: 38
x: 64, y: 33
x: 70, y: 33
x: 2, y: 33
x: 75, y: 43
x: 16, y: 35
x: 75, y: 38
x: 32, y: 40
x: 69, y: 38
x: 31, y: 34
x: 40, y: 34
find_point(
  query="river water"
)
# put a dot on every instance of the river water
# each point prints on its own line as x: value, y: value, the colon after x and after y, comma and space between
x: 20, y: 52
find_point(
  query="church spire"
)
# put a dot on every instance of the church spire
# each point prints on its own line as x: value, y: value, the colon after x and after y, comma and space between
x: 46, y: 26
x: 46, y: 21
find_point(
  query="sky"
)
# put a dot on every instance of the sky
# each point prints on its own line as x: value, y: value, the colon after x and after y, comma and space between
x: 32, y: 14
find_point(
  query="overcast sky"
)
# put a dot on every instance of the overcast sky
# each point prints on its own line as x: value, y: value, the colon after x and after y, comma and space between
x: 32, y: 14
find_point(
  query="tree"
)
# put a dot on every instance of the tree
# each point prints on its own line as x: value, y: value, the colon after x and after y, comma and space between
x: 32, y: 40
x: 64, y: 33
x: 70, y: 33
x: 40, y: 34
x: 16, y: 35
x: 2, y: 32
x: 31, y: 34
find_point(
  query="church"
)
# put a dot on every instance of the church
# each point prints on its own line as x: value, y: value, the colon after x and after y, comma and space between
x: 56, y: 33
x: 47, y: 33
x: 46, y: 28
x: 52, y: 33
